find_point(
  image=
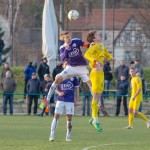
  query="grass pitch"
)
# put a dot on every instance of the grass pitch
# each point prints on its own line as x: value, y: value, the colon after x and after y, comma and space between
x: 32, y: 133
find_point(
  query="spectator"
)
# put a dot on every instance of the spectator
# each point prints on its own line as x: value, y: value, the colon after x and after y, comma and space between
x: 52, y: 103
x: 43, y: 69
x: 58, y: 69
x: 131, y: 64
x: 28, y: 74
x: 5, y: 69
x: 122, y: 90
x: 108, y: 77
x: 143, y: 88
x: 8, y: 85
x: 86, y: 99
x: 1, y: 49
x: 43, y: 84
x: 138, y: 68
x: 33, y: 91
x: 122, y: 70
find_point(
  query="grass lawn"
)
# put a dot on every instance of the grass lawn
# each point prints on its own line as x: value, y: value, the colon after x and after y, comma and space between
x: 32, y: 133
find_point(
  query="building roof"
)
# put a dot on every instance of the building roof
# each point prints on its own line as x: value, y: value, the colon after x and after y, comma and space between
x: 94, y: 21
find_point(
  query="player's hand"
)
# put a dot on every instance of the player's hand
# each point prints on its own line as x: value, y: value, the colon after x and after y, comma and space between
x: 61, y: 94
x: 67, y: 47
x: 133, y: 98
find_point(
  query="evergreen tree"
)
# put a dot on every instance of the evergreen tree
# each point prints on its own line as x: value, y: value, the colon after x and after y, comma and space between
x: 3, y: 51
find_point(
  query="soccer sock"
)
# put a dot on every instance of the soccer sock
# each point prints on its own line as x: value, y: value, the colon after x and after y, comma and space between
x: 69, y: 128
x: 43, y: 111
x: 130, y: 118
x: 54, y: 126
x: 95, y: 110
x: 142, y: 116
x: 51, y: 91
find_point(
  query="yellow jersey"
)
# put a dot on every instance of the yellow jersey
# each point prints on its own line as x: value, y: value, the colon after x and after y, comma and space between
x: 97, y: 52
x: 136, y: 84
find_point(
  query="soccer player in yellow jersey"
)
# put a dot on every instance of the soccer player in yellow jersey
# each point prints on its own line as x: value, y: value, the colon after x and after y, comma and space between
x: 96, y: 54
x: 135, y: 100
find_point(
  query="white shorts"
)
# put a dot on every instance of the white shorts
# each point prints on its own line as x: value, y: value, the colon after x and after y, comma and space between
x: 80, y: 71
x: 68, y: 106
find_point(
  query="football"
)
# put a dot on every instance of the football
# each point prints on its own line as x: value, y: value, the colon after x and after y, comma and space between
x: 73, y: 15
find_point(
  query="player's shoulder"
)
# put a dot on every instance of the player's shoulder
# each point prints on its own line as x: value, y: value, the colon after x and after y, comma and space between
x: 62, y: 46
x: 76, y: 40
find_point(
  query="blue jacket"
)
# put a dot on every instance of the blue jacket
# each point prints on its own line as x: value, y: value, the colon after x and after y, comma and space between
x: 122, y: 87
x: 28, y: 72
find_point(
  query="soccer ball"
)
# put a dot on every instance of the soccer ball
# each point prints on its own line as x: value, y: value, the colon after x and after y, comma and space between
x: 73, y: 15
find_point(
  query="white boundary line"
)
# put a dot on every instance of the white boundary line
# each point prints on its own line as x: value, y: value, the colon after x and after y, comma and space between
x: 109, y: 144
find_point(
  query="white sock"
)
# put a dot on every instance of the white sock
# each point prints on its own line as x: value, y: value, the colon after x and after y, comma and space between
x: 69, y: 128
x: 51, y: 91
x: 54, y: 126
x: 95, y: 120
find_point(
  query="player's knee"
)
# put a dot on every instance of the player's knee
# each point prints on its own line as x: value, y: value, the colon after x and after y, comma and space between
x: 56, y: 116
x: 135, y: 113
x: 130, y: 110
x: 58, y: 79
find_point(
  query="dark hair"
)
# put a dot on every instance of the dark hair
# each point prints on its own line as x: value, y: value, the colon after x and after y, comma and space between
x: 91, y: 36
x: 132, y: 62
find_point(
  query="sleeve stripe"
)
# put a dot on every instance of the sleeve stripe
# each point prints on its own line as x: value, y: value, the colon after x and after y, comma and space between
x: 85, y: 45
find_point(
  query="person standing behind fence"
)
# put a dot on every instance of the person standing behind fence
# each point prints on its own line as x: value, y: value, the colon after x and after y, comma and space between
x: 5, y: 69
x: 138, y: 68
x: 108, y: 77
x: 122, y: 70
x: 122, y: 91
x: 86, y: 98
x: 8, y: 85
x: 43, y: 69
x: 33, y: 91
x: 29, y: 69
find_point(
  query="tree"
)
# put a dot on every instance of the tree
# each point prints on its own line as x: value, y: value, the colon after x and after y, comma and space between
x: 3, y: 51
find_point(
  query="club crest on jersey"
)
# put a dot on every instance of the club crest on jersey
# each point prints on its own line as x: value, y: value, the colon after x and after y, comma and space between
x: 74, y: 45
x: 74, y: 53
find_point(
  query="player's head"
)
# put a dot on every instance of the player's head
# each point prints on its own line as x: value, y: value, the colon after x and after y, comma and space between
x: 65, y: 36
x: 93, y: 36
x: 132, y: 72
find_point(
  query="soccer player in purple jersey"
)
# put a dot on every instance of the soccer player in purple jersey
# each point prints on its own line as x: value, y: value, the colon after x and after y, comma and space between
x: 66, y: 99
x: 76, y: 63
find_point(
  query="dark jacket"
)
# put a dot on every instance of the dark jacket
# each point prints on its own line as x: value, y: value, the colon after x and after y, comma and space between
x: 122, y: 87
x: 43, y: 86
x: 28, y: 71
x: 33, y: 86
x: 122, y: 70
x: 42, y: 70
x: 107, y: 74
x: 3, y: 73
x: 1, y: 45
x: 56, y: 71
x: 8, y: 85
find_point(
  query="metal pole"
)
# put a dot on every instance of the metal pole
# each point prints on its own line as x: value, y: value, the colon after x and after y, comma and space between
x: 12, y: 33
x: 103, y: 37
x: 113, y: 30
x: 61, y: 16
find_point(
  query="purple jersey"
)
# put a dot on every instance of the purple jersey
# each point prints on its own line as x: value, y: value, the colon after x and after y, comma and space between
x: 73, y: 55
x: 68, y: 86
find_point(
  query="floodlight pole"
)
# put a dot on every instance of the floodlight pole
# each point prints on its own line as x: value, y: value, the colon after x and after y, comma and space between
x: 61, y: 27
x: 104, y: 25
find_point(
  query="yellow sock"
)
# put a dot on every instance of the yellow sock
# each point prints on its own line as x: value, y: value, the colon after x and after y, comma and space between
x: 142, y: 116
x: 130, y: 118
x: 94, y: 108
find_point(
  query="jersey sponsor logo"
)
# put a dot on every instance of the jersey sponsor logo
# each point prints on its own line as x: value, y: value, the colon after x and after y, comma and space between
x: 74, y: 53
x: 67, y: 86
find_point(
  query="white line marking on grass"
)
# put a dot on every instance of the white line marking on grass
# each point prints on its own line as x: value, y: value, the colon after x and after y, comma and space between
x: 87, y: 148
x: 110, y: 144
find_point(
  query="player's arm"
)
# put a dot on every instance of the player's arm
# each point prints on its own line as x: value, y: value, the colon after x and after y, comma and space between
x: 76, y: 96
x: 108, y: 55
x: 64, y: 55
x: 59, y: 93
x: 83, y: 44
